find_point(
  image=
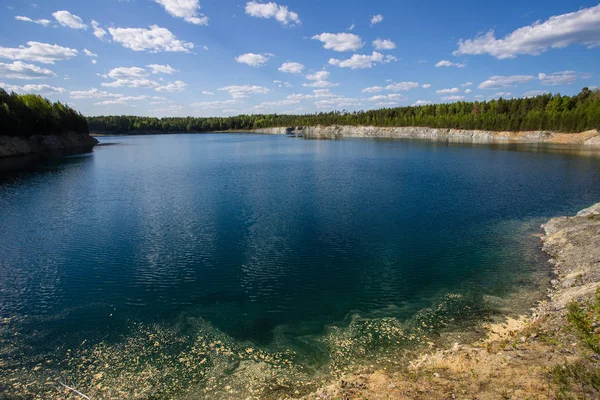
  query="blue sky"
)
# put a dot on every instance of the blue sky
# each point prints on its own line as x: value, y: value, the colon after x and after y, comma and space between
x: 226, y: 57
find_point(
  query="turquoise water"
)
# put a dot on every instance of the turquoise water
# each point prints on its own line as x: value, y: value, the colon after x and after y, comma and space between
x: 230, y: 264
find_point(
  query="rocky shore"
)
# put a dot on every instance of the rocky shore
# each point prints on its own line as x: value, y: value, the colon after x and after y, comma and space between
x: 455, y: 135
x: 519, y: 358
x: 18, y: 146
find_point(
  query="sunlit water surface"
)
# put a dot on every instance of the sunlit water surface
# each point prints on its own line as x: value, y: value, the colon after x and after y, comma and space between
x: 230, y: 265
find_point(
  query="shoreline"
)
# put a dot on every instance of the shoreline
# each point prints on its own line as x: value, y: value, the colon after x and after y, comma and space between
x: 12, y: 146
x: 587, y: 138
x: 516, y: 358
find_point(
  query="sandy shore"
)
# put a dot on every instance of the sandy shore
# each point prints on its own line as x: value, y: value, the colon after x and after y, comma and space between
x: 515, y: 360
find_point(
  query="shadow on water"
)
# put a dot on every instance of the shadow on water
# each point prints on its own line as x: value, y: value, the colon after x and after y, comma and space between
x: 12, y: 167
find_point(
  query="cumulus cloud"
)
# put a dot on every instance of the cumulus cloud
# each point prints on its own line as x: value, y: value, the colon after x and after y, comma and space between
x: 186, y: 9
x: 244, y: 91
x: 497, y: 82
x: 338, y: 102
x: 577, y: 28
x: 172, y: 87
x: 340, y: 41
x: 446, y: 63
x: 20, y: 70
x: 69, y: 20
x: 558, y: 78
x: 320, y: 84
x: 426, y: 85
x: 93, y: 94
x: 43, y: 22
x: 402, y: 86
x: 375, y: 19
x: 132, y: 83
x: 89, y: 53
x: 467, y: 84
x: 207, y: 93
x: 422, y: 103
x: 39, y: 52
x: 253, y: 60
x: 291, y: 68
x: 453, y: 98
x: 533, y: 93
x: 162, y: 69
x: 446, y: 91
x: 373, y: 89
x: 317, y: 93
x: 320, y: 80
x: 214, y: 104
x: 282, y: 84
x: 122, y: 100
x: 468, y: 91
x: 274, y: 104
x: 384, y: 44
x: 272, y: 10
x: 37, y: 89
x: 98, y: 32
x: 359, y: 61
x: 389, y: 97
x: 127, y: 73
x: 154, y: 40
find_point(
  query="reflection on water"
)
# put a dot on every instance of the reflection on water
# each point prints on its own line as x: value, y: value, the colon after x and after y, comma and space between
x: 261, y: 265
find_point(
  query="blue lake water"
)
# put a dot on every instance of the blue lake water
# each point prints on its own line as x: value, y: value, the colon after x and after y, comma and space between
x: 206, y: 265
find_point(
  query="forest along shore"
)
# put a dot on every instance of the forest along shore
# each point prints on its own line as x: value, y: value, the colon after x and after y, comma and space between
x: 591, y: 137
x: 12, y: 146
x: 553, y: 353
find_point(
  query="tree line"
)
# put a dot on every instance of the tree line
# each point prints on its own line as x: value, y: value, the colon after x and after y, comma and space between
x: 545, y: 112
x: 29, y: 114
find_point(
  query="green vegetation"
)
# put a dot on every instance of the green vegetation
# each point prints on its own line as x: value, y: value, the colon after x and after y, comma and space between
x: 581, y: 379
x: 30, y: 114
x: 546, y: 112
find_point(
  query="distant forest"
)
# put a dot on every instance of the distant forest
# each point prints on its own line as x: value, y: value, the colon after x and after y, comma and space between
x: 29, y: 114
x: 545, y: 112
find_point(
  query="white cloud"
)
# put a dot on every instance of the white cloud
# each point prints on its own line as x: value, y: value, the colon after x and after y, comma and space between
x: 558, y: 78
x: 581, y: 27
x: 124, y: 100
x: 93, y: 94
x: 20, y: 70
x: 383, y: 44
x: 172, y: 87
x: 467, y: 84
x: 468, y: 91
x: 282, y: 84
x: 497, y: 82
x: 351, y: 27
x: 69, y: 20
x: 453, y: 98
x: 186, y: 9
x: 37, y: 89
x: 358, y: 61
x: 447, y: 91
x: 89, y: 53
x: 319, y: 76
x: 128, y: 73
x: 533, y: 93
x: 39, y: 52
x: 402, y: 86
x: 389, y: 97
x: 340, y: 41
x: 320, y: 84
x: 253, y: 60
x: 373, y: 89
x: 291, y: 68
x: 155, y: 39
x: 44, y: 22
x: 214, y: 104
x: 162, y: 69
x: 207, y: 93
x: 338, y: 102
x: 133, y: 83
x: 426, y: 85
x: 242, y: 92
x: 375, y: 19
x: 446, y: 63
x: 272, y: 10
x: 274, y: 104
x: 318, y: 93
x: 422, y: 103
x: 98, y: 32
